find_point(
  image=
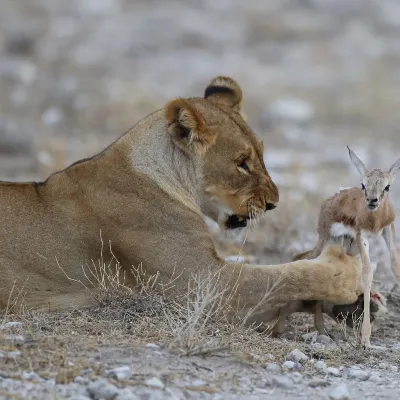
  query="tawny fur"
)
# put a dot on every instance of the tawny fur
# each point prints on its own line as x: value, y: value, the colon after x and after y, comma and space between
x: 146, y: 194
x: 355, y: 212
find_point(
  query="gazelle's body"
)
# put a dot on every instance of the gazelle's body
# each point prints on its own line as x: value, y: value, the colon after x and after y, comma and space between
x: 354, y: 212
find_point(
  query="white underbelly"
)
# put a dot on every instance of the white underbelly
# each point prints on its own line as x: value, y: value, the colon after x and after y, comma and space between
x: 339, y: 229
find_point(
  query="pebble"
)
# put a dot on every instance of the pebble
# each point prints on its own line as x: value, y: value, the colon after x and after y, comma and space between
x: 288, y: 365
x: 13, y: 354
x: 17, y: 339
x: 297, y: 356
x: 320, y: 366
x: 296, y: 377
x: 4, y: 374
x: 310, y: 337
x: 152, y: 346
x: 383, y: 365
x: 154, y: 382
x: 394, y: 368
x: 30, y: 376
x: 272, y: 367
x: 333, y: 371
x: 355, y: 373
x: 101, y: 389
x: 318, y: 383
x: 340, y: 392
x: 127, y: 394
x: 11, y: 325
x: 81, y: 380
x: 396, y: 346
x: 1, y: 354
x: 119, y: 373
x: 324, y: 339
x: 283, y: 382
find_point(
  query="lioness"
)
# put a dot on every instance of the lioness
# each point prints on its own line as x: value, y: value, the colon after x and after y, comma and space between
x: 146, y: 193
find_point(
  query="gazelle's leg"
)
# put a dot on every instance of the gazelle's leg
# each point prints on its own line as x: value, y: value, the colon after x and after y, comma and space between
x: 319, y: 318
x: 367, y: 276
x: 389, y: 235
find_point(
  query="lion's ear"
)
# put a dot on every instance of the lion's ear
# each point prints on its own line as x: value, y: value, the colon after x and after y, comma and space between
x: 225, y: 91
x: 187, y: 126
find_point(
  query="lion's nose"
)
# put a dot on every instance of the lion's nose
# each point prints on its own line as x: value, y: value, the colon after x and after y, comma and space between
x: 270, y: 206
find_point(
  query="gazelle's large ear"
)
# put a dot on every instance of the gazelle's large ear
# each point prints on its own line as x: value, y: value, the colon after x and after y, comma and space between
x: 394, y: 168
x: 225, y: 91
x: 357, y: 162
x: 187, y: 126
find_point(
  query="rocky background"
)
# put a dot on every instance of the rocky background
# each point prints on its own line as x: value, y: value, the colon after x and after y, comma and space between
x: 316, y: 74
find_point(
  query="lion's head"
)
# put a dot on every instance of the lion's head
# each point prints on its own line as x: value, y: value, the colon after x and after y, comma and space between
x: 212, y: 132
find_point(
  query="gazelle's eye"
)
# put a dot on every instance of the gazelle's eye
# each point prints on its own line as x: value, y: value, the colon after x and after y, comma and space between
x: 362, y: 186
x: 387, y: 188
x: 244, y: 166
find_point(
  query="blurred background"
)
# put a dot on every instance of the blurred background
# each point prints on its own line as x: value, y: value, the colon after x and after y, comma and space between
x: 316, y: 74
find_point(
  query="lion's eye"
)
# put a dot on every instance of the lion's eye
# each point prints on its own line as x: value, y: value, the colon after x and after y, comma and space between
x: 387, y: 188
x: 362, y: 186
x: 244, y: 166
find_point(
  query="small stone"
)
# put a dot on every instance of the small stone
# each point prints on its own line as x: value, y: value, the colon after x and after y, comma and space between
x: 318, y: 383
x: 52, y: 116
x: 374, y: 377
x: 30, y: 376
x: 152, y: 346
x: 119, y: 373
x: 270, y: 356
x: 81, y: 380
x: 396, y: 346
x: 340, y: 392
x: 282, y: 381
x: 333, y: 371
x: 320, y: 366
x: 1, y: 354
x: 383, y: 365
x: 4, y: 374
x: 296, y: 377
x: 288, y: 365
x: 102, y: 390
x: 272, y: 367
x: 310, y: 337
x: 14, y: 339
x: 87, y: 371
x: 154, y: 382
x: 355, y: 373
x: 127, y: 394
x: 13, y: 354
x: 297, y: 356
x: 394, y: 368
x: 198, y: 382
x: 324, y: 339
x: 11, y: 325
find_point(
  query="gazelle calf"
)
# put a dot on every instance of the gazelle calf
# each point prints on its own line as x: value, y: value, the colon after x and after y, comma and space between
x: 355, y: 212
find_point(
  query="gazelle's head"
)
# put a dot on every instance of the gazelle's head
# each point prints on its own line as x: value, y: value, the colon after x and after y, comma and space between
x: 375, y: 182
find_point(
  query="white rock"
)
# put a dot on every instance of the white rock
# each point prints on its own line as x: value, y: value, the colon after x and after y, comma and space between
x: 355, y: 373
x: 396, y: 346
x: 102, y: 390
x: 152, y: 346
x: 30, y: 376
x: 11, y: 325
x: 324, y: 339
x: 383, y: 365
x: 126, y: 394
x: 120, y: 373
x: 394, y: 368
x: 270, y: 356
x: 320, y: 366
x: 333, y: 371
x: 310, y: 337
x: 154, y: 382
x: 13, y: 354
x: 296, y: 377
x: 272, y: 367
x: 297, y: 356
x: 282, y: 381
x: 340, y: 392
x: 288, y: 365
